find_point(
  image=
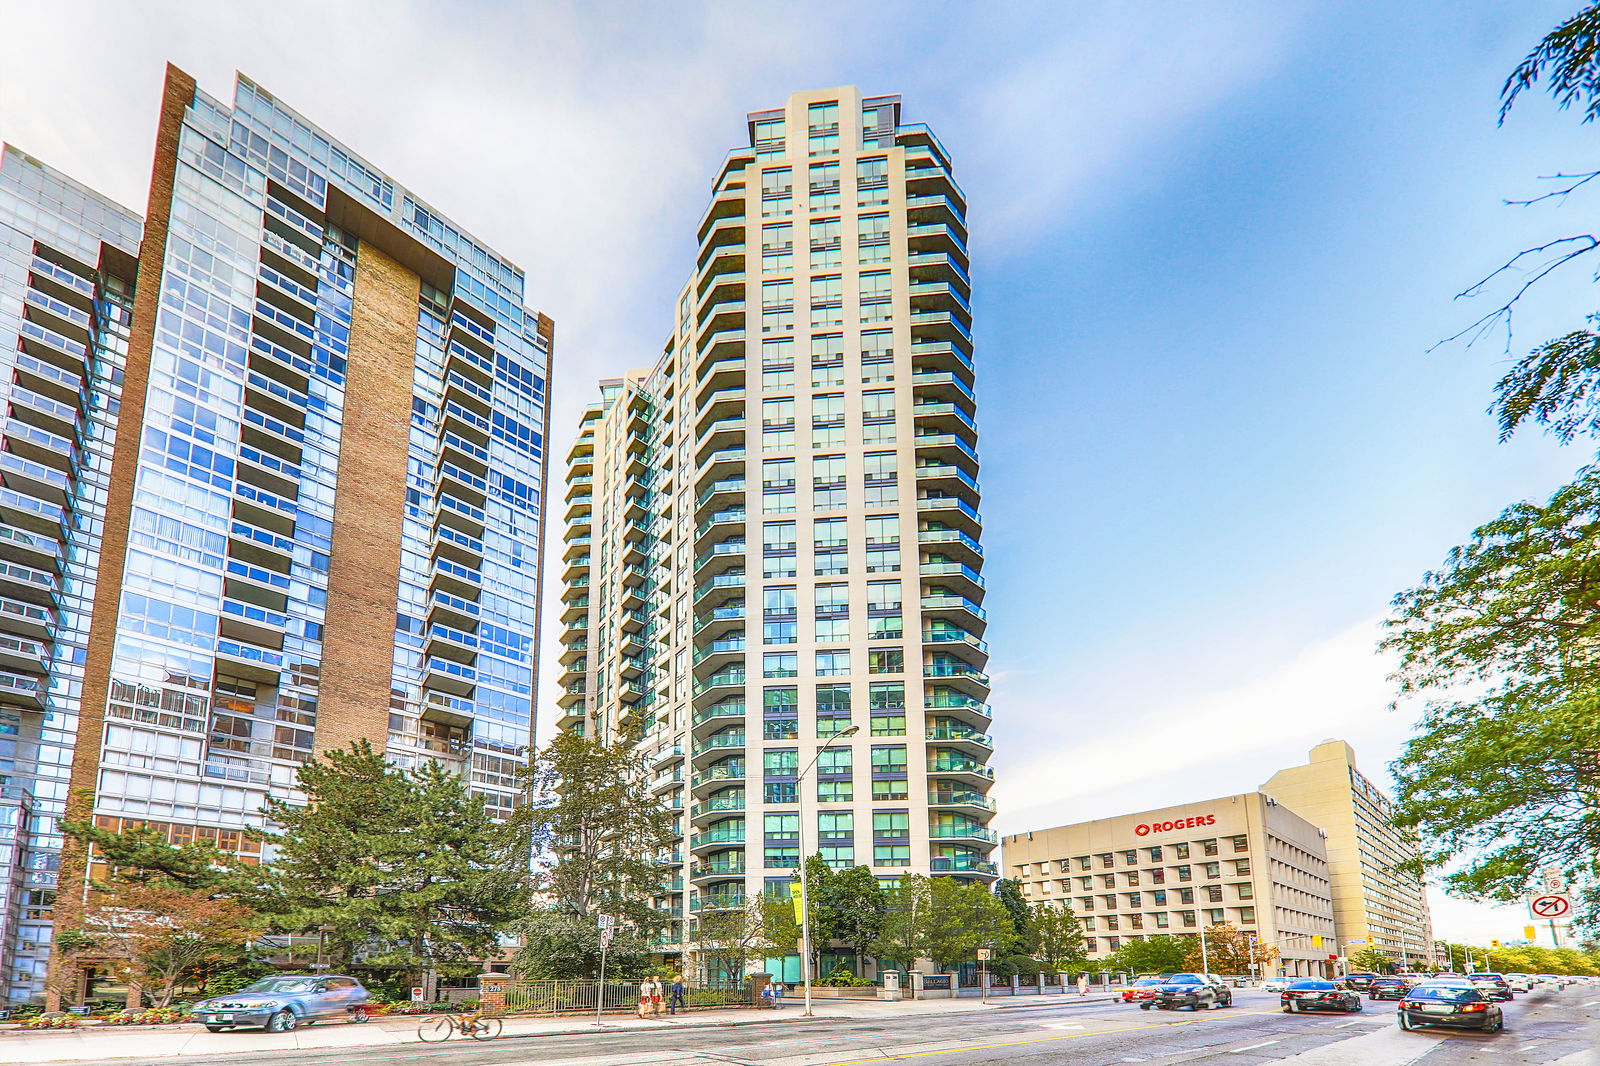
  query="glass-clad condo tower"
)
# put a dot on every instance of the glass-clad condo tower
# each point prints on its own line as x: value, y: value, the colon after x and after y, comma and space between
x: 68, y: 261
x: 773, y: 534
x: 321, y: 514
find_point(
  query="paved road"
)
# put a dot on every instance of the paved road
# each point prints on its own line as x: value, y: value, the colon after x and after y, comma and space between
x: 1542, y: 1029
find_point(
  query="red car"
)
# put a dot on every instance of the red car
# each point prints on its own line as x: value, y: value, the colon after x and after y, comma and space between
x: 1141, y: 989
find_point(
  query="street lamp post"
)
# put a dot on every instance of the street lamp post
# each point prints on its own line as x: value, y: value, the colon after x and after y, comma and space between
x: 805, y: 907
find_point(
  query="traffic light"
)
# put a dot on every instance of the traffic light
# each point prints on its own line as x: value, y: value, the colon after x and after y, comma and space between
x: 1372, y: 941
x: 1529, y: 933
x: 1494, y: 943
x: 1316, y: 942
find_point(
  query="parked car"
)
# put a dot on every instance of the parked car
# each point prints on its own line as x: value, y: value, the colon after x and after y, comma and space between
x: 1318, y: 995
x: 1493, y: 984
x: 1192, y: 990
x: 1449, y: 1005
x: 1388, y: 988
x: 282, y: 1003
x: 1144, y: 988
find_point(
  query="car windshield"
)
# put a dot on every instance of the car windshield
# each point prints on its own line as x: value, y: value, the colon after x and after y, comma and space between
x: 1387, y: 981
x: 281, y: 985
x: 1313, y: 986
x: 1446, y: 993
x: 1184, y: 979
x: 1147, y: 982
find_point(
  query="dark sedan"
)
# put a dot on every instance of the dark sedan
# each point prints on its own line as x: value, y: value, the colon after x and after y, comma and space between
x: 1192, y: 991
x: 1388, y: 988
x: 1450, y: 1006
x: 1318, y: 995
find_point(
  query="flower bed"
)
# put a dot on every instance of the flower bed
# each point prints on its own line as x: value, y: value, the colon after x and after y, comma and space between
x: 44, y: 1021
x: 153, y: 1016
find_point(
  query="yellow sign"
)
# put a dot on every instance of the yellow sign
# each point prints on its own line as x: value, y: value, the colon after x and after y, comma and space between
x: 1316, y: 941
x: 1529, y: 933
x: 799, y: 915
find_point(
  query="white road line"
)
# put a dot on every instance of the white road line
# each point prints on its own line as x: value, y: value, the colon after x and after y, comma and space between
x: 1252, y: 1047
x: 1530, y: 1047
x: 1346, y: 1025
x: 1592, y: 1002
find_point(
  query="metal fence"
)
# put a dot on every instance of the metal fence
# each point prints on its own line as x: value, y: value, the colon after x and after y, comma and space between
x: 581, y: 996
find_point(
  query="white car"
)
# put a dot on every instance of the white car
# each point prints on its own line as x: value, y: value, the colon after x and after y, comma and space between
x: 1275, y: 984
x: 1519, y: 982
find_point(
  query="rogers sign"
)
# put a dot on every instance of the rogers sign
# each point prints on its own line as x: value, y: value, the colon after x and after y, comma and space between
x: 1144, y: 830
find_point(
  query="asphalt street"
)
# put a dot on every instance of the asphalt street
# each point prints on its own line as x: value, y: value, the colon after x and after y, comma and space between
x: 1544, y: 1028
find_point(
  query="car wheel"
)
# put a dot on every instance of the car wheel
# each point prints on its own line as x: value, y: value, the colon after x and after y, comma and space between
x: 359, y: 1014
x: 1405, y: 1022
x: 1291, y: 1008
x: 215, y: 1028
x: 1144, y: 1006
x: 1358, y: 1004
x: 282, y: 1022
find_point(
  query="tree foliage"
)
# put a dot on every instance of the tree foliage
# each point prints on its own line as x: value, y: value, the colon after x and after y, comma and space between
x: 1568, y: 59
x: 1228, y: 949
x: 962, y: 917
x: 1024, y: 938
x: 1371, y: 960
x: 905, y: 910
x: 600, y: 837
x: 732, y: 938
x: 1057, y: 937
x: 556, y: 943
x: 857, y: 905
x: 1501, y: 642
x: 403, y: 865
x: 161, y: 935
x: 1161, y: 953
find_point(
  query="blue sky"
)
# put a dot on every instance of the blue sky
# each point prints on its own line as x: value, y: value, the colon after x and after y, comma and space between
x: 1212, y: 245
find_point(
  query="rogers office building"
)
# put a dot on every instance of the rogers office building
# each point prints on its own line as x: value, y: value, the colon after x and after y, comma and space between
x: 1243, y: 859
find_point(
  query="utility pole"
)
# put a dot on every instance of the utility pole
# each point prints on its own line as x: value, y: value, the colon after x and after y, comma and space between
x: 805, y: 906
x: 1205, y: 959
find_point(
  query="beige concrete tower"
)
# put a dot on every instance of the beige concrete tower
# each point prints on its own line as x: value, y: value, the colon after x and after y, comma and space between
x: 773, y: 534
x: 1373, y: 897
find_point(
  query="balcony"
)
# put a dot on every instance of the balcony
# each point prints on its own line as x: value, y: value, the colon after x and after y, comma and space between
x: 709, y: 719
x: 958, y: 578
x: 576, y: 546
x: 723, y: 373
x: 958, y: 610
x: 721, y: 464
x: 961, y: 767
x: 718, y: 871
x: 960, y: 798
x: 723, y: 554
x: 724, y: 433
x: 715, y: 838
x: 938, y: 266
x: 720, y: 743
x: 978, y: 867
x: 42, y: 446
x: 721, y: 588
x: 27, y: 691
x: 964, y: 644
x: 714, y: 623
x: 22, y: 654
x: 253, y: 623
x: 952, y: 542
x: 30, y: 549
x: 26, y: 583
x: 944, y: 418
x: 26, y: 619
x: 727, y: 772
x: 937, y: 237
x: 572, y: 694
x: 447, y: 642
x: 963, y: 833
x: 944, y: 479
x: 447, y: 675
x: 941, y: 356
x: 458, y: 514
x: 719, y: 654
x: 722, y: 523
x: 721, y: 902
x: 960, y: 737
x: 953, y: 511
x: 958, y: 676
x: 718, y: 806
x: 250, y: 661
x: 454, y: 578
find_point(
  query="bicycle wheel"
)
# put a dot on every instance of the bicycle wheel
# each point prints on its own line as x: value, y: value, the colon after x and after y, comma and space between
x: 437, y: 1029
x: 486, y: 1028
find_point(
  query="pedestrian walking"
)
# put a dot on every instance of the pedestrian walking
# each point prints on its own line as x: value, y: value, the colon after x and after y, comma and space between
x: 648, y: 988
x: 679, y: 997
x: 655, y: 995
x: 1083, y: 984
x: 777, y: 995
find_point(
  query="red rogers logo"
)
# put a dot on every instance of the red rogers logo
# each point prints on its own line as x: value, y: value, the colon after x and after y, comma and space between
x: 1143, y: 830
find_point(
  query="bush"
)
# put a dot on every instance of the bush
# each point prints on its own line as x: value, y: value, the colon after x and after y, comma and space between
x: 28, y: 1010
x: 843, y: 978
x: 1022, y: 966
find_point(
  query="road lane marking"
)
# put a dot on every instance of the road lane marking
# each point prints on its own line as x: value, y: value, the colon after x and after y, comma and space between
x: 1530, y: 1047
x: 1252, y: 1047
x: 1592, y: 1002
x: 1038, y: 1040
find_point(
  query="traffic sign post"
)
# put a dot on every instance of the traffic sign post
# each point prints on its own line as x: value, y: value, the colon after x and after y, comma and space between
x: 1551, y: 905
x: 608, y: 928
x: 983, y: 972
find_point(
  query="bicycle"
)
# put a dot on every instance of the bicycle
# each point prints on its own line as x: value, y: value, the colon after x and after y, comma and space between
x: 474, y: 1025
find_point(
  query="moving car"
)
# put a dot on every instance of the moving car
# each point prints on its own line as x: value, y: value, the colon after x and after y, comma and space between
x: 1519, y: 982
x: 1144, y: 988
x: 1192, y: 990
x: 280, y: 1004
x: 1318, y: 995
x: 1359, y: 980
x: 1388, y: 988
x: 1492, y: 984
x: 1450, y: 1006
x: 1275, y: 984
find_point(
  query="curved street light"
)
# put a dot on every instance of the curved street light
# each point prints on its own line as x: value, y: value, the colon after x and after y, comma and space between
x: 805, y: 910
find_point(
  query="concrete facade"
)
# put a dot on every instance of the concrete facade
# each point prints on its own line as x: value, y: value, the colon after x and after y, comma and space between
x: 773, y: 534
x: 1246, y: 860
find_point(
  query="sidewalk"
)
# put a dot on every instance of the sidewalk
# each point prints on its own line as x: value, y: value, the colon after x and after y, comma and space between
x: 179, y: 1041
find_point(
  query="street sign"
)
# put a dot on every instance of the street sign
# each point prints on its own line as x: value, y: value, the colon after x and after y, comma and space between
x: 1316, y: 941
x: 416, y: 994
x: 984, y: 954
x: 1553, y: 882
x: 1551, y: 905
x: 606, y: 935
x: 606, y: 921
x: 1530, y: 932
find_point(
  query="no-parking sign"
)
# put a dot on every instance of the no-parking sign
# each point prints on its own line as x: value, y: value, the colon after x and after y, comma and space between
x: 1550, y: 905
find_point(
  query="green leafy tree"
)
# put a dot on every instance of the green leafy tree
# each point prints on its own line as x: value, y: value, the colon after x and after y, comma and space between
x: 1370, y: 960
x: 902, y: 940
x: 1058, y: 937
x: 600, y: 838
x: 557, y: 943
x: 404, y: 865
x: 858, y: 906
x: 1228, y: 950
x: 1500, y: 778
x: 961, y: 918
x: 822, y: 904
x: 142, y: 855
x: 732, y: 938
x: 1025, y: 939
x: 1162, y: 953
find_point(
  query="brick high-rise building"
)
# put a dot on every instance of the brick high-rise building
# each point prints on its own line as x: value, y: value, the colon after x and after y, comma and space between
x: 315, y: 505
x: 773, y: 533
